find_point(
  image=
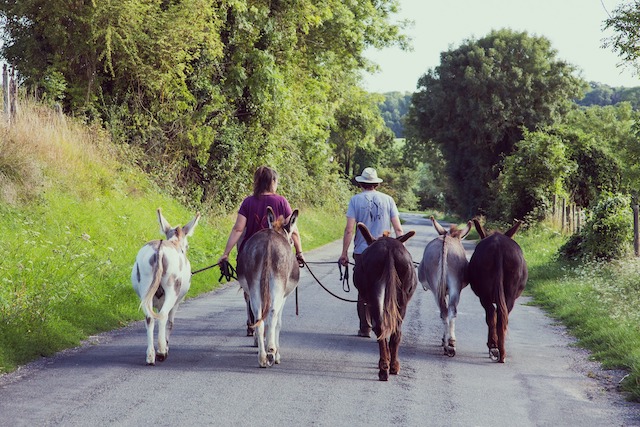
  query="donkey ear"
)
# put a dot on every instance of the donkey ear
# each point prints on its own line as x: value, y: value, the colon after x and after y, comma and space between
x: 366, y: 233
x: 164, y: 225
x: 406, y: 236
x: 513, y: 229
x: 466, y: 230
x: 271, y: 217
x: 479, y: 228
x: 441, y: 231
x: 293, y: 219
x: 188, y: 229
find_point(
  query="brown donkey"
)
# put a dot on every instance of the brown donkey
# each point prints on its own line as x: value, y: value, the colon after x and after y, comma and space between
x: 497, y: 274
x: 386, y: 279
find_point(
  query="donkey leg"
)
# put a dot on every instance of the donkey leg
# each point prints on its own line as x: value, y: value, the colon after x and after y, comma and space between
x: 450, y: 347
x: 250, y: 317
x: 262, y: 354
x: 163, y: 325
x: 278, y: 327
x: 383, y: 363
x: 394, y: 347
x: 501, y: 332
x: 445, y: 333
x: 170, y: 321
x: 163, y: 348
x: 271, y: 336
x: 151, y: 351
x: 492, y: 338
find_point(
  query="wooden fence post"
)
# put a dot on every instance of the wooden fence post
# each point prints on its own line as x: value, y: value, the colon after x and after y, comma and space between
x: 13, y: 93
x: 5, y: 92
x: 579, y: 222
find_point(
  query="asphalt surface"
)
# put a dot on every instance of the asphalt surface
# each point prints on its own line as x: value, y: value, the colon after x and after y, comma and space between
x: 328, y: 375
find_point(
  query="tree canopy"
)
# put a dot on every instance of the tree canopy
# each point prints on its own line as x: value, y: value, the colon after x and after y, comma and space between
x: 207, y: 91
x: 625, y: 22
x: 602, y: 95
x: 394, y: 109
x: 475, y: 106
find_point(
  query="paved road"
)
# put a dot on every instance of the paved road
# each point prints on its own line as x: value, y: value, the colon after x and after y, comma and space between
x: 328, y: 375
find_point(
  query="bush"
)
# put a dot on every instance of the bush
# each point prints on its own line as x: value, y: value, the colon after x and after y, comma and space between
x: 607, y: 234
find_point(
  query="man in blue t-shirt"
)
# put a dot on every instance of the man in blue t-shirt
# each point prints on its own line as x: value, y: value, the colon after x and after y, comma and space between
x: 379, y: 213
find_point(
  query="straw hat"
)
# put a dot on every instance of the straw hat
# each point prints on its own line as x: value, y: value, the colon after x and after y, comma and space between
x: 369, y: 176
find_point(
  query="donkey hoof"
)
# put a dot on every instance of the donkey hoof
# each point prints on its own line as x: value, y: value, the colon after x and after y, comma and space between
x: 271, y: 358
x: 450, y: 351
x: 383, y: 375
x: 494, y: 354
x: 160, y: 357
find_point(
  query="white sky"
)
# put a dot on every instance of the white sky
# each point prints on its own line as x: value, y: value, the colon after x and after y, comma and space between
x: 574, y: 27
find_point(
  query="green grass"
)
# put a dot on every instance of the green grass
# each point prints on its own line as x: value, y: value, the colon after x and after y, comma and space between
x: 70, y: 235
x: 598, y: 302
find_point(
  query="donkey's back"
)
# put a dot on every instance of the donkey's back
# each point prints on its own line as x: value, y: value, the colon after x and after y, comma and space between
x: 268, y: 272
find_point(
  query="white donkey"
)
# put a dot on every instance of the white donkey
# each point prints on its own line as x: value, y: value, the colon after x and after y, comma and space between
x: 268, y: 272
x: 443, y: 269
x: 161, y: 277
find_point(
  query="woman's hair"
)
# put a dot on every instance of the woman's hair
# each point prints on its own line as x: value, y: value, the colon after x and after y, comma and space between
x: 263, y: 180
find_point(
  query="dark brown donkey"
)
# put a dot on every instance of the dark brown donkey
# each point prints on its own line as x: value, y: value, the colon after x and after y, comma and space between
x: 386, y: 279
x: 497, y: 274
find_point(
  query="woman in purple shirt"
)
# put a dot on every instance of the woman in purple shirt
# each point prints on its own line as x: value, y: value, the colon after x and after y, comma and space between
x: 252, y: 217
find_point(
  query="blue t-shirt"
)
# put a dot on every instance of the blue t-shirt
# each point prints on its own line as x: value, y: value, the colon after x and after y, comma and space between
x: 373, y: 209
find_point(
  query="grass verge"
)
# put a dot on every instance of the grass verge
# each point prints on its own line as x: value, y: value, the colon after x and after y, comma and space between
x: 598, y: 302
x: 74, y: 211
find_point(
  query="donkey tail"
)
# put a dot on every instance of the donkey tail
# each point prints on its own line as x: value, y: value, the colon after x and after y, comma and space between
x: 501, y: 303
x: 442, y: 279
x: 391, y: 317
x: 158, y: 270
x: 265, y: 291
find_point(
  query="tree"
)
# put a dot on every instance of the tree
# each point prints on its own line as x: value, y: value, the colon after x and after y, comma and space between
x: 625, y: 22
x: 206, y: 91
x: 603, y: 143
x: 598, y: 94
x: 358, y: 134
x: 603, y: 95
x: 476, y: 103
x: 531, y: 176
x: 394, y: 109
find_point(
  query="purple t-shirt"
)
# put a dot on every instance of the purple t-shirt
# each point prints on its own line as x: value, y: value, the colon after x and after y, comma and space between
x: 254, y: 208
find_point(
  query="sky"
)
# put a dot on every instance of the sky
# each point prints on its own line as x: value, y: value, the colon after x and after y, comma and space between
x: 574, y: 27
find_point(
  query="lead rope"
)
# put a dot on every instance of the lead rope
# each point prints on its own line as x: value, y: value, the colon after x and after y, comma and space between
x: 226, y: 270
x: 346, y: 276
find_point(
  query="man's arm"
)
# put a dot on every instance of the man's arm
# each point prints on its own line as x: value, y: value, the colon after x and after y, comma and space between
x: 346, y: 240
x: 395, y: 221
